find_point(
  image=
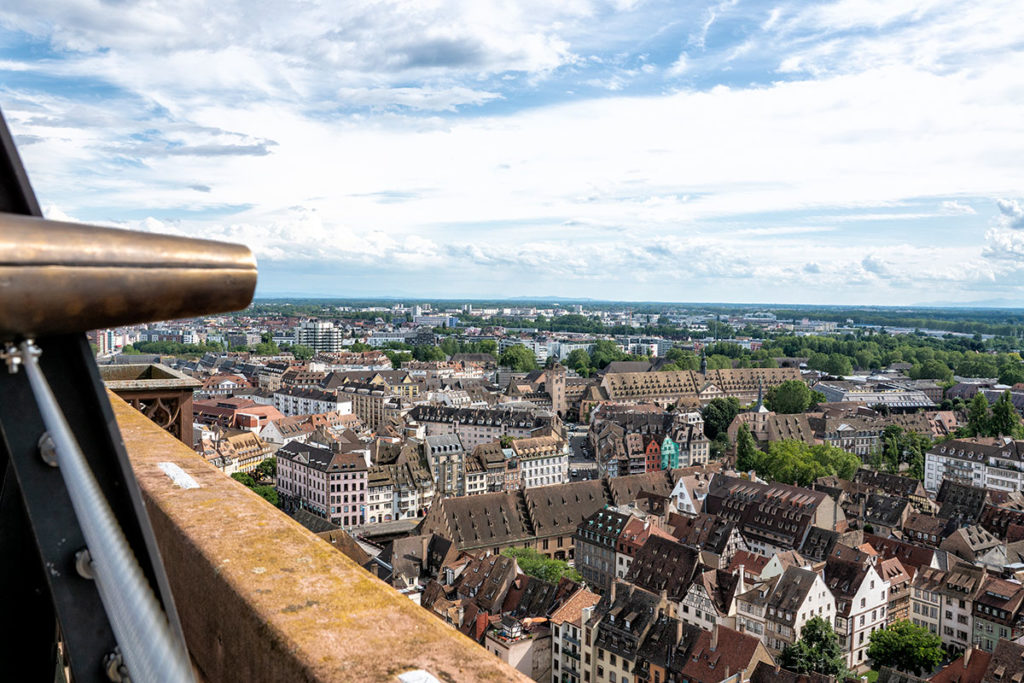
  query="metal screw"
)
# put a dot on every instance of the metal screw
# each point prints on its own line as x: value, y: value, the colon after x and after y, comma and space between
x: 48, y: 450
x: 83, y: 564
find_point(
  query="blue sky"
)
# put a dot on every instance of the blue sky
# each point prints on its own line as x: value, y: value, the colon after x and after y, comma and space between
x: 837, y: 152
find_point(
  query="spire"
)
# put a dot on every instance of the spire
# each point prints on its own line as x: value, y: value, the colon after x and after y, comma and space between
x: 703, y: 362
x: 760, y: 394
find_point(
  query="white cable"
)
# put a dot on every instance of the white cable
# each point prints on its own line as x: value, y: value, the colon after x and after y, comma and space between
x: 150, y: 649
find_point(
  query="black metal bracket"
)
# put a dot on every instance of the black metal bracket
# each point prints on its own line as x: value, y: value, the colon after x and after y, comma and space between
x: 46, y: 599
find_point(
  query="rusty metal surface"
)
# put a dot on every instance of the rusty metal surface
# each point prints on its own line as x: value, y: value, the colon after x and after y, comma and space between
x: 65, y: 277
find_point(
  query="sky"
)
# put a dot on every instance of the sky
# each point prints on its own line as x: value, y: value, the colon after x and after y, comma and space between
x: 850, y: 152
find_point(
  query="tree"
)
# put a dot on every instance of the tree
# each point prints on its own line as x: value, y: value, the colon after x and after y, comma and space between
x: 537, y: 565
x: 906, y: 647
x: 838, y: 365
x: 792, y: 396
x: 977, y: 416
x: 266, y: 349
x: 1011, y: 373
x: 302, y: 352
x: 1005, y: 421
x: 719, y: 414
x: 683, y: 359
x: 429, y: 353
x: 795, y: 462
x: 719, y: 445
x: 817, y: 650
x: 579, y: 360
x: 269, y: 493
x: 605, y: 352
x: 932, y: 369
x: 719, y: 362
x: 268, y: 468
x: 518, y: 358
x: 747, y: 454
x: 244, y: 479
x: 397, y: 357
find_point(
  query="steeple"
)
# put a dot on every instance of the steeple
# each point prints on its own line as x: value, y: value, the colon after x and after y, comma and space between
x: 703, y: 362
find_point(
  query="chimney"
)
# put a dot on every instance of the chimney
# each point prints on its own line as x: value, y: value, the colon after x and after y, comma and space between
x: 714, y: 639
x: 425, y: 544
x: 679, y: 630
x: 741, y: 586
x: 613, y: 590
x: 967, y: 656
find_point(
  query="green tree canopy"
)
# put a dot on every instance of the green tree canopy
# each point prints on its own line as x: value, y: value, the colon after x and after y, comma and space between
x: 932, y: 369
x: 792, y: 396
x: 579, y: 360
x: 267, y: 468
x: 244, y: 479
x: 795, y: 462
x: 683, y: 359
x: 302, y: 352
x: 718, y: 415
x: 1011, y: 373
x: 605, y: 352
x: 269, y: 493
x: 266, y: 349
x: 904, y: 646
x: 518, y: 358
x: 428, y: 353
x: 537, y: 565
x: 817, y: 650
x: 978, y: 416
x: 747, y: 454
x: 1005, y: 421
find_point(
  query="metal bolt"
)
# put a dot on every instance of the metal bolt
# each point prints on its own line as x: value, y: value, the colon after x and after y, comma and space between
x: 12, y: 356
x: 83, y: 563
x: 48, y: 450
x: 113, y: 664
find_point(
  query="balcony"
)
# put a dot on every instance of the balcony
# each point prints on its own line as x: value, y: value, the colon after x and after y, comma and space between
x: 262, y: 599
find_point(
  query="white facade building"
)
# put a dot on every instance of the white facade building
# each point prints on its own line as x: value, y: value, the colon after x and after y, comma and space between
x: 320, y: 335
x: 998, y: 466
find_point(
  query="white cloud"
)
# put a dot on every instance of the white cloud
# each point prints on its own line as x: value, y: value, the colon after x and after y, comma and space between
x: 957, y: 208
x: 678, y: 67
x: 348, y: 134
x: 1012, y: 214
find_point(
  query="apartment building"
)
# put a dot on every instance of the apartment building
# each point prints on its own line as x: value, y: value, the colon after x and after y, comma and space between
x: 943, y: 602
x: 996, y: 464
x: 777, y: 609
x: 330, y: 485
x: 543, y: 460
x: 294, y: 401
x: 447, y: 460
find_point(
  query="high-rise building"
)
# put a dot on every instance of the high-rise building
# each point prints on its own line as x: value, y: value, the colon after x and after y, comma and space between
x: 319, y: 335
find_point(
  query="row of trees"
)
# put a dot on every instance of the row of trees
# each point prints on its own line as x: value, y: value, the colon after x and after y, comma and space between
x: 901, y: 645
x: 1001, y: 419
x: 793, y: 462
